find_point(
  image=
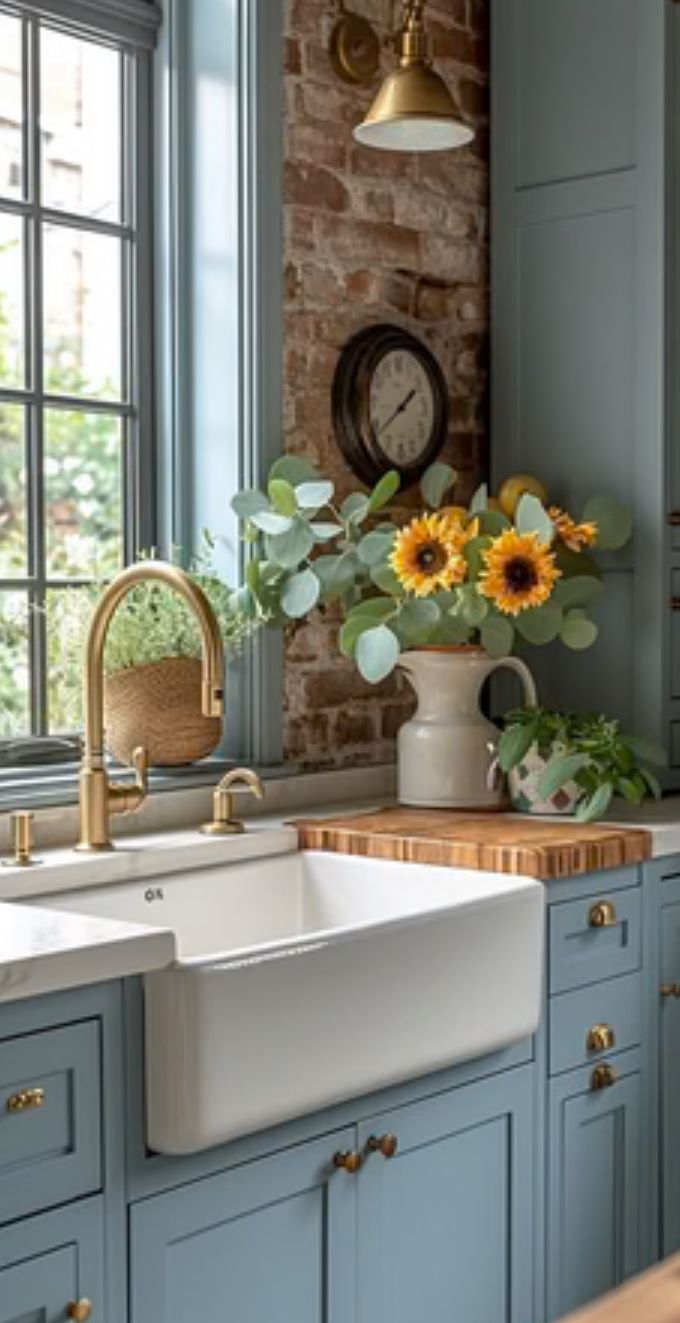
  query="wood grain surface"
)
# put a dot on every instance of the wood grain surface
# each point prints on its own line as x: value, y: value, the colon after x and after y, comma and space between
x: 652, y: 1298
x: 499, y: 842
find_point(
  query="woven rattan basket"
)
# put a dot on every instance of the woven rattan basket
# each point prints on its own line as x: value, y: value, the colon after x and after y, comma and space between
x: 159, y: 706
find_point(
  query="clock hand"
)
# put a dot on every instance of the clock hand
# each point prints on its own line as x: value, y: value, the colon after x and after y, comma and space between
x: 404, y: 405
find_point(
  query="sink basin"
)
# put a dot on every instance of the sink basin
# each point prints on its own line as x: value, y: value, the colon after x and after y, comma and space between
x: 308, y: 978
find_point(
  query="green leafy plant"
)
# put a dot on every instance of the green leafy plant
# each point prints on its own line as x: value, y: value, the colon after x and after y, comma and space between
x: 588, y: 749
x: 151, y: 623
x: 453, y: 575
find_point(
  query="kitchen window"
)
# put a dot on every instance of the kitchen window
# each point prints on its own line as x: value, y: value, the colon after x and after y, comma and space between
x: 76, y: 319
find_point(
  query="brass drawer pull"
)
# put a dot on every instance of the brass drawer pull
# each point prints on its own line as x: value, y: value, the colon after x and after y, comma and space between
x: 674, y: 518
x: 603, y: 1077
x: 602, y: 914
x: 26, y: 1101
x: 601, y: 1038
x: 670, y: 990
x: 79, y: 1310
x: 351, y: 1162
x: 385, y: 1144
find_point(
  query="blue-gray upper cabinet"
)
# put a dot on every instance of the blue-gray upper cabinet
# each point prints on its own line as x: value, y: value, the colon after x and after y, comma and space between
x: 445, y: 1224
x: 51, y: 1262
x: 273, y: 1239
x: 583, y: 292
x: 595, y: 1171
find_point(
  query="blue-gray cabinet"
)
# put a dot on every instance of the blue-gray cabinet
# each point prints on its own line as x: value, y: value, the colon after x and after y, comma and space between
x: 51, y: 1265
x: 273, y: 1239
x: 586, y: 291
x: 445, y: 1223
x: 593, y: 1182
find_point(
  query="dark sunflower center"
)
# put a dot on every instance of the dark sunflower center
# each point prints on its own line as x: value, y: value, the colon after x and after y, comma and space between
x: 520, y: 574
x: 430, y: 558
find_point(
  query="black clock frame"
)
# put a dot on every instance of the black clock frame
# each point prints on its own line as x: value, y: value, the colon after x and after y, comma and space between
x: 350, y: 403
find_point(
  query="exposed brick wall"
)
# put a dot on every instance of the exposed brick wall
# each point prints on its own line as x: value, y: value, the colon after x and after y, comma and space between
x: 369, y: 237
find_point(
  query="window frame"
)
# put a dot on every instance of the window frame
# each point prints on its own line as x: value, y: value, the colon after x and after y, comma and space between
x: 130, y: 27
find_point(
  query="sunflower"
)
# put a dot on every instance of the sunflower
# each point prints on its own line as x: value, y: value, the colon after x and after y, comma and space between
x: 520, y: 572
x: 574, y: 536
x: 428, y: 555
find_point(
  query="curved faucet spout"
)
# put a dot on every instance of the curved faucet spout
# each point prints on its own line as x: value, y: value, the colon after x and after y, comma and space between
x: 97, y: 798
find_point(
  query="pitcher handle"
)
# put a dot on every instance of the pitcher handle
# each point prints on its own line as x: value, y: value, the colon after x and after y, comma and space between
x: 522, y: 670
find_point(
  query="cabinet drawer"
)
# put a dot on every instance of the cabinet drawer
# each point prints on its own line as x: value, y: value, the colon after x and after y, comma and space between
x: 584, y: 951
x: 47, y: 1263
x: 574, y: 1018
x: 49, y: 1118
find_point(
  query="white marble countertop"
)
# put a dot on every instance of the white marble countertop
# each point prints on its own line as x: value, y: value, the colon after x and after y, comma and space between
x: 43, y: 950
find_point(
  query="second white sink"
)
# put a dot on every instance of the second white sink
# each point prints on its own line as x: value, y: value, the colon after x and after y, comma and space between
x: 308, y: 978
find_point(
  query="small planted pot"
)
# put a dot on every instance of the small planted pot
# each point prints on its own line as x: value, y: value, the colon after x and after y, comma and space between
x: 158, y: 705
x: 525, y: 795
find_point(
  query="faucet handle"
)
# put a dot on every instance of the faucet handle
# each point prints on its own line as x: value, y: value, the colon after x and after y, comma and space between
x: 224, y: 823
x: 127, y: 798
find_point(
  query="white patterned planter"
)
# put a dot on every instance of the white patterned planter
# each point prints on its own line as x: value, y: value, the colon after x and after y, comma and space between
x: 523, y: 783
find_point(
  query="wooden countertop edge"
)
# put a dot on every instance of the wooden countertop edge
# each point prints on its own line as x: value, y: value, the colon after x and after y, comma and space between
x: 620, y: 847
x: 652, y: 1298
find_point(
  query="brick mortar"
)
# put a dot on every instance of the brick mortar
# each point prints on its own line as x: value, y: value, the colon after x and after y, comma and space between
x: 369, y: 237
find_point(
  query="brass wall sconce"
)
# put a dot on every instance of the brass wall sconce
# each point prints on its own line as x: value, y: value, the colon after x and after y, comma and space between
x: 414, y: 110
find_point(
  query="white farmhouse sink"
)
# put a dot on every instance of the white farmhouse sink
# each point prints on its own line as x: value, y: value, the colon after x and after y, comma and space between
x: 308, y: 978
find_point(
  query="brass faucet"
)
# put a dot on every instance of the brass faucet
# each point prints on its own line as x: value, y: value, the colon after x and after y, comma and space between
x: 224, y: 823
x: 99, y: 799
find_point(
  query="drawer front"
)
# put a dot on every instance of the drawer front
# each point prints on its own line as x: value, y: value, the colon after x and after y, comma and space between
x: 50, y: 1101
x: 595, y: 939
x: 593, y: 1022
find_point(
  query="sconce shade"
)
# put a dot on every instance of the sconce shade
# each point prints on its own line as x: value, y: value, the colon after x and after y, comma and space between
x: 414, y: 110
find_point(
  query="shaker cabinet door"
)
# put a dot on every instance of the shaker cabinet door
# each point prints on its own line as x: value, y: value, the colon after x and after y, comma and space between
x: 50, y: 1264
x: 445, y: 1223
x: 669, y: 1082
x: 594, y: 1176
x: 271, y: 1240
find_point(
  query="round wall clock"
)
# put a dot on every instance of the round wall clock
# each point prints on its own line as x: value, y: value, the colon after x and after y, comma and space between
x: 390, y: 404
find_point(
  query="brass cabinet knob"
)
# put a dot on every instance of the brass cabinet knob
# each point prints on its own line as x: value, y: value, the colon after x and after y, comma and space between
x: 674, y: 518
x: 670, y: 990
x: 26, y: 1100
x: 385, y: 1144
x: 603, y: 1077
x: 601, y: 1038
x: 350, y: 1161
x: 602, y: 914
x: 80, y: 1310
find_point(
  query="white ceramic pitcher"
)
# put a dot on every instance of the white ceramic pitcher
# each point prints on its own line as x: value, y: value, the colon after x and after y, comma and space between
x: 447, y: 751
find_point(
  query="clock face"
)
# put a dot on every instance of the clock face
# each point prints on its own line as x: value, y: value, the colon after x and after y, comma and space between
x: 390, y: 404
x: 401, y: 407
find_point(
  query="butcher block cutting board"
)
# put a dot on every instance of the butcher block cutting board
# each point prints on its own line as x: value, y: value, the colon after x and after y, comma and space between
x: 497, y: 842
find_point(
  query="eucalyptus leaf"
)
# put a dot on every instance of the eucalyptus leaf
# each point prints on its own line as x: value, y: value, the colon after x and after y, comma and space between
x: 450, y: 630
x: 614, y: 522
x: 493, y: 522
x: 246, y: 504
x: 497, y: 636
x: 436, y: 482
x: 385, y: 579
x: 480, y: 500
x: 377, y: 653
x: 540, y: 624
x: 289, y: 548
x: 417, y: 618
x: 575, y: 564
x: 561, y: 769
x: 471, y: 607
x: 325, y: 532
x: 532, y: 517
x: 314, y: 495
x: 355, y: 508
x: 352, y: 629
x: 282, y: 496
x: 384, y: 490
x: 299, y: 594
x: 577, y: 631
x: 336, y: 573
x: 378, y: 608
x: 580, y: 591
x: 474, y: 555
x: 269, y: 522
x: 375, y: 547
x: 293, y: 469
